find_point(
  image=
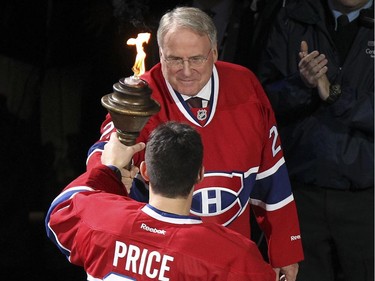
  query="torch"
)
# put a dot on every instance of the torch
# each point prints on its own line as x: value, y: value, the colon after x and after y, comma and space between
x: 130, y: 105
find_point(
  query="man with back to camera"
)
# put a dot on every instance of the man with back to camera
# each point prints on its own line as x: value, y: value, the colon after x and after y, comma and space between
x: 117, y: 238
x: 243, y: 157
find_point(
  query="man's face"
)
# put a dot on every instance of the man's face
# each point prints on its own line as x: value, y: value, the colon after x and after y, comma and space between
x: 186, y: 78
x: 346, y: 6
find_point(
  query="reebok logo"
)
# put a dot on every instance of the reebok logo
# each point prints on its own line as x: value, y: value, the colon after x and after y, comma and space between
x: 152, y: 229
x: 295, y: 237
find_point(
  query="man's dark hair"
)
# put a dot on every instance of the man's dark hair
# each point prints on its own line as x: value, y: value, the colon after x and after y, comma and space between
x: 174, y: 155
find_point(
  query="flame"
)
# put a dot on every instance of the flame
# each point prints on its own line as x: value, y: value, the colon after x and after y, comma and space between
x: 139, y: 65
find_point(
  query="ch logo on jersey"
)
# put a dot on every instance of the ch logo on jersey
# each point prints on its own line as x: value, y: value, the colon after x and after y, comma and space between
x: 220, y: 197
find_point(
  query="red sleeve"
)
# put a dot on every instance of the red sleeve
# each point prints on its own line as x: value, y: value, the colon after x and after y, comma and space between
x: 95, y: 151
x: 63, y: 220
x: 99, y: 178
x: 283, y: 237
x: 272, y: 198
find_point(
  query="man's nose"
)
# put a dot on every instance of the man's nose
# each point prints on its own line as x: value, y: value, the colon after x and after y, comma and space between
x: 186, y: 68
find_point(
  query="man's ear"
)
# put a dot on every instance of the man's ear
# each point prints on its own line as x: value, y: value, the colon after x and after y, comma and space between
x: 143, y: 171
x: 200, y: 175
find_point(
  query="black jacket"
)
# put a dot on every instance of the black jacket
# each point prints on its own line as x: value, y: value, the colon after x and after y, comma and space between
x: 325, y: 145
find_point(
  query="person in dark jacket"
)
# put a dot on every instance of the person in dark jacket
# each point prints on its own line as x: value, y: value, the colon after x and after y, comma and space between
x: 319, y: 78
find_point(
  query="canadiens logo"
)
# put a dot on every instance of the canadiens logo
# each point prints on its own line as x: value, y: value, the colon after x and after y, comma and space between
x: 220, y: 204
x: 202, y: 114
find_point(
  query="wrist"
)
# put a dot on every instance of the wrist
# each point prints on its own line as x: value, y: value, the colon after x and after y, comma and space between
x: 116, y: 171
x: 323, y: 85
x: 334, y: 93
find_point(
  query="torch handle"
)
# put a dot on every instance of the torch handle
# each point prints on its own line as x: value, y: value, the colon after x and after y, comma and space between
x: 127, y: 139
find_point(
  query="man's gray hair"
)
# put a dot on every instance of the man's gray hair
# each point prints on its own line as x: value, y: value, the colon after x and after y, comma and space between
x: 187, y: 17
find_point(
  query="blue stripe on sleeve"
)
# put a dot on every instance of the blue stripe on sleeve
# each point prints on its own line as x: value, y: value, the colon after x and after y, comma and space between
x: 96, y: 146
x: 64, y: 196
x: 274, y: 188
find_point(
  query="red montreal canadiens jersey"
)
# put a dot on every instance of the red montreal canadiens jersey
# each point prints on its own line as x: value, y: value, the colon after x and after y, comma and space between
x: 243, y: 158
x: 116, y: 238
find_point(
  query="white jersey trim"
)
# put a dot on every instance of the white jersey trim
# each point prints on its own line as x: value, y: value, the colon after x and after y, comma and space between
x: 170, y: 219
x: 77, y: 189
x: 272, y: 207
x: 92, y: 278
x: 272, y: 170
x: 106, y: 130
x: 215, y: 93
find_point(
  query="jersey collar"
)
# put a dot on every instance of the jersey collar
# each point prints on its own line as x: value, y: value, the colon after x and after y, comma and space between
x: 169, y: 217
x: 214, y: 93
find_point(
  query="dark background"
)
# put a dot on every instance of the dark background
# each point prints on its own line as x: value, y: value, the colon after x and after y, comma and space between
x: 57, y: 59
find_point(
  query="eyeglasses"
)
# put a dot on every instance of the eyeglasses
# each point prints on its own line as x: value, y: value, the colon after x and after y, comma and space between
x: 176, y: 62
